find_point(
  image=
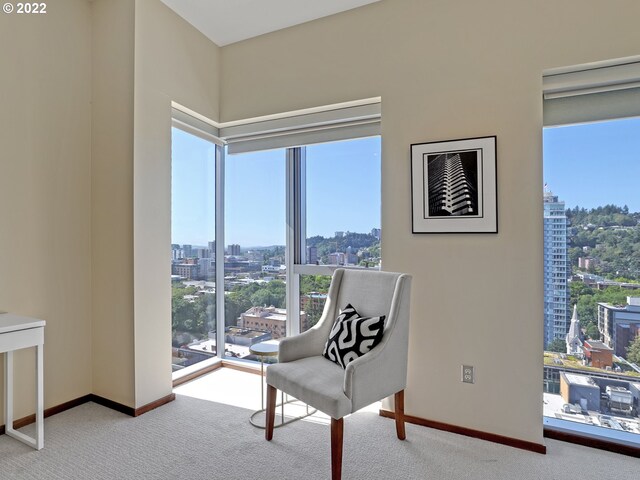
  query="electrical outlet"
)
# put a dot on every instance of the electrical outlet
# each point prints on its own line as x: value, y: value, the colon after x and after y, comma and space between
x: 467, y: 374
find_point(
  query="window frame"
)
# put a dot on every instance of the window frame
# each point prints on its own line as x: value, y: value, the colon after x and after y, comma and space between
x: 198, y: 128
x: 590, y: 93
x: 346, y: 121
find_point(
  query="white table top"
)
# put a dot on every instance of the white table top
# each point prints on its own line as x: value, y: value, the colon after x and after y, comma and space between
x: 12, y: 323
x: 268, y: 348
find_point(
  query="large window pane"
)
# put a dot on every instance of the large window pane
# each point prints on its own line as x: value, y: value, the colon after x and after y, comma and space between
x: 255, y: 227
x: 592, y: 279
x: 343, y: 203
x: 193, y: 312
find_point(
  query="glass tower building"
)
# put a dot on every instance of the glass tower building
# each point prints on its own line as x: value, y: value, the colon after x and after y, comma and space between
x: 556, y: 269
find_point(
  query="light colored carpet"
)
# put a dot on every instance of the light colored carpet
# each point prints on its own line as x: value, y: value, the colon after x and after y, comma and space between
x: 197, y: 439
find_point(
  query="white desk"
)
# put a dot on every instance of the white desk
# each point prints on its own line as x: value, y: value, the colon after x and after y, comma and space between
x: 15, y: 333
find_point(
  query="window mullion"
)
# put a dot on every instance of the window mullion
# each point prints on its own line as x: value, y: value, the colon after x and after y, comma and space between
x: 294, y: 235
x: 219, y: 252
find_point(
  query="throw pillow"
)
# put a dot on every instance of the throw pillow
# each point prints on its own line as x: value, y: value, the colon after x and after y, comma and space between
x: 352, y: 336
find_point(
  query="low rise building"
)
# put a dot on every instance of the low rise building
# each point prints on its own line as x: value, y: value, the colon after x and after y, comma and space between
x: 207, y: 267
x: 587, y: 263
x: 580, y: 390
x: 267, y: 319
x: 597, y: 354
x: 619, y: 325
x: 188, y: 271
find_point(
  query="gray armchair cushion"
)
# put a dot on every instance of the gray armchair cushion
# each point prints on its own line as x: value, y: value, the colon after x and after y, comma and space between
x: 315, y: 381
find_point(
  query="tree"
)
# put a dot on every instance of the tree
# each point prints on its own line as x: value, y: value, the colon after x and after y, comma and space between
x: 633, y: 351
x: 593, y: 332
x: 557, y: 345
x: 313, y: 312
x: 314, y: 283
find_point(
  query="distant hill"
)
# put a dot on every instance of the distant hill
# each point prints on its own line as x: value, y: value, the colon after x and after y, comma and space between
x: 356, y: 241
x: 611, y: 235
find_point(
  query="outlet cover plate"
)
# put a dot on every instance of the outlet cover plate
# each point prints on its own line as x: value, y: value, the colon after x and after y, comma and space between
x: 468, y: 374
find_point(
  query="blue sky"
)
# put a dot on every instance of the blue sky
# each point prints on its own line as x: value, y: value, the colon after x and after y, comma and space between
x: 343, y: 191
x: 594, y: 164
x: 192, y: 189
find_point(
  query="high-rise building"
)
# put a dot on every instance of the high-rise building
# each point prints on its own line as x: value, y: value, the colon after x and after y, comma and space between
x: 452, y: 185
x: 336, y: 258
x: 556, y: 271
x: 312, y: 255
x: 234, y: 249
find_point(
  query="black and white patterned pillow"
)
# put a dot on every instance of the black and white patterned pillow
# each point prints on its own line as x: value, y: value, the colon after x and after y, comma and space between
x: 352, y: 336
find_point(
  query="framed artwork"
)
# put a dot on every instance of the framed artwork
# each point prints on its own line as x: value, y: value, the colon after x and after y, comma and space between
x: 454, y: 186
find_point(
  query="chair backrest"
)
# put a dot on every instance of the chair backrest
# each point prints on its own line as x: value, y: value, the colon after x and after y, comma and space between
x: 371, y: 292
x: 374, y: 293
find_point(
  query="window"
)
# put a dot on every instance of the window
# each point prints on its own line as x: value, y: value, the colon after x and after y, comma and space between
x: 258, y: 227
x: 193, y: 261
x: 254, y: 266
x: 276, y: 283
x: 329, y: 152
x: 339, y: 222
x: 343, y: 203
x: 592, y: 330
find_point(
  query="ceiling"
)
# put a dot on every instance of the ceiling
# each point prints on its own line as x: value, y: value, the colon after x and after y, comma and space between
x: 230, y: 21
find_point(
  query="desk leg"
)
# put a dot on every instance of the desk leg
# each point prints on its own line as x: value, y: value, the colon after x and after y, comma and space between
x: 39, y: 397
x: 262, y: 383
x: 38, y: 441
x: 8, y: 391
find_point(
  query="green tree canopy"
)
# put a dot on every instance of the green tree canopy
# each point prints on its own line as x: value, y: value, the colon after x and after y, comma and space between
x: 593, y: 332
x: 557, y: 345
x: 633, y: 351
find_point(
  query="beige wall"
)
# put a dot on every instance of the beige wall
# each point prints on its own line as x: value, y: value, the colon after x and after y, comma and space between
x: 112, y: 200
x: 45, y: 196
x: 145, y: 56
x: 69, y: 251
x: 173, y: 62
x: 448, y: 70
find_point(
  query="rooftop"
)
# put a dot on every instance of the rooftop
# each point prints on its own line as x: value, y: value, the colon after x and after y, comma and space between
x: 597, y: 344
x: 579, y: 380
x: 562, y: 360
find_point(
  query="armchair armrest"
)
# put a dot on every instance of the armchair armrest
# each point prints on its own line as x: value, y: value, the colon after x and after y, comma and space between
x: 383, y: 370
x: 307, y: 344
x: 374, y: 376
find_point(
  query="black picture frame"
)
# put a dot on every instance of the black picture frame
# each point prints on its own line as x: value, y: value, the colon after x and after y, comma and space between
x: 454, y: 187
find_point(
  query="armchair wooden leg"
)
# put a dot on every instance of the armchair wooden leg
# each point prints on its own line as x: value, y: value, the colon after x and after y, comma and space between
x: 271, y: 411
x: 399, y: 402
x: 337, y: 427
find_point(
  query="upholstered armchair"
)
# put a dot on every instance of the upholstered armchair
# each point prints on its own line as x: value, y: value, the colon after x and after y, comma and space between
x: 304, y: 373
